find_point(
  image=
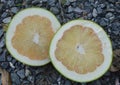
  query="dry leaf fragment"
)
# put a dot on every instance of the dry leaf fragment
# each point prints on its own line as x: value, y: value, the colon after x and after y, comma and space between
x: 116, y: 61
x: 5, y: 77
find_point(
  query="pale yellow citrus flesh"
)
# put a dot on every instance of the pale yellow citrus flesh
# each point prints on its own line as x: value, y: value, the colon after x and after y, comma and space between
x: 33, y: 27
x: 80, y: 50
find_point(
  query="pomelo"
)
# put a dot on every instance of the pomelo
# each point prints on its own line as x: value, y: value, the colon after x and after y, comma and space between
x: 29, y: 34
x: 81, y: 51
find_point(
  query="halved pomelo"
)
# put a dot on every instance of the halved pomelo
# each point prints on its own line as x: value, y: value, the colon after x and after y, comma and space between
x: 29, y: 35
x: 81, y: 51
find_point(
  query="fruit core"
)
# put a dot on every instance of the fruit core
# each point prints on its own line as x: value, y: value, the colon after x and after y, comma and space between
x: 80, y: 50
x: 32, y: 37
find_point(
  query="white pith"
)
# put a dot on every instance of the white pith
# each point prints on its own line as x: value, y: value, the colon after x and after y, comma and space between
x: 17, y: 20
x: 107, y: 52
x: 36, y: 38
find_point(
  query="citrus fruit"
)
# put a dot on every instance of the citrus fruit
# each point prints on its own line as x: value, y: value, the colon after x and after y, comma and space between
x: 81, y: 51
x: 29, y: 35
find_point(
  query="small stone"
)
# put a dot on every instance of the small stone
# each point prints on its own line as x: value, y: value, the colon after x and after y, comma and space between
x: 2, y: 57
x: 9, y: 58
x: 55, y: 10
x: 1, y: 32
x: 13, y: 61
x: 99, y: 10
x: 2, y: 42
x: 108, y: 15
x: 11, y: 65
x: 70, y: 9
x: 15, y: 79
x: 67, y: 82
x: 94, y: 13
x: 92, y: 1
x: 1, y: 50
x: 112, y: 1
x: 77, y: 10
x: 89, y: 15
x: 103, y: 22
x: 4, y: 14
x: 7, y: 20
x: 98, y: 82
x: 4, y: 65
x: 30, y: 78
x: 14, y: 9
x: 35, y: 2
x: 21, y: 73
x: 51, y: 2
x: 10, y: 3
x: 102, y: 5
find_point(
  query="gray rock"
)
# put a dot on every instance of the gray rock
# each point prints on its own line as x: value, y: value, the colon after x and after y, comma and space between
x: 55, y: 10
x: 2, y: 56
x: 94, y: 13
x: 103, y: 22
x: 21, y: 73
x: 99, y: 10
x: 1, y: 32
x: 15, y: 79
x: 4, y: 14
x: 14, y: 9
x: 92, y: 1
x: 67, y: 82
x: 10, y: 3
x: 4, y: 65
x: 70, y: 9
x: 77, y: 10
x: 108, y: 15
x: 2, y: 42
x: 7, y: 20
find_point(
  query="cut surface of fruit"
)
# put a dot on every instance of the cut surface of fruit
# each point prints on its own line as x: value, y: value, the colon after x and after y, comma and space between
x: 29, y: 35
x: 81, y: 51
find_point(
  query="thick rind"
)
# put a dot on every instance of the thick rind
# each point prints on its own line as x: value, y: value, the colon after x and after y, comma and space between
x: 62, y: 70
x: 16, y: 20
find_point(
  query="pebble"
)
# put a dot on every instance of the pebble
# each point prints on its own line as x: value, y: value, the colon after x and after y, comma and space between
x: 2, y: 42
x: 30, y: 78
x: 7, y: 20
x: 4, y: 65
x: 70, y: 9
x: 15, y: 79
x: 21, y: 73
x: 99, y: 10
x: 94, y: 13
x: 14, y: 10
x: 51, y: 2
x: 10, y: 3
x: 77, y: 10
x: 11, y: 65
x: 108, y: 15
x: 55, y: 10
x: 35, y: 2
x: 103, y: 22
x: 1, y: 50
x: 67, y: 82
x: 9, y: 58
x: 4, y: 14
x: 102, y: 5
x: 2, y: 56
x: 1, y: 32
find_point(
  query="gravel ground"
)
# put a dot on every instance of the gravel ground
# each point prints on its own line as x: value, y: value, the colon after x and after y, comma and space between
x: 105, y: 12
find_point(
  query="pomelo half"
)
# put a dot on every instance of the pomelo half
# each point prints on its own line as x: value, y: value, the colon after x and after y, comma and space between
x: 81, y: 51
x: 29, y: 34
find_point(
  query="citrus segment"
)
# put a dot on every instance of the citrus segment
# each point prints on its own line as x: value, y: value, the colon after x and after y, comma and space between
x: 81, y: 51
x: 29, y: 35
